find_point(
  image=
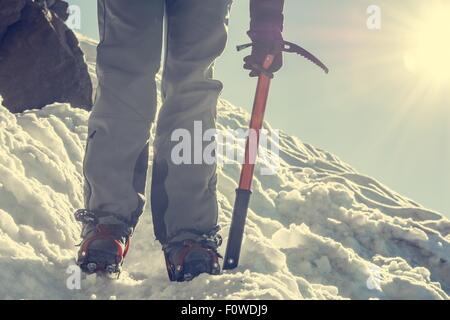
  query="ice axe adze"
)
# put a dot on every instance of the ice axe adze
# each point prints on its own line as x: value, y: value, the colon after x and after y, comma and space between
x: 251, y: 149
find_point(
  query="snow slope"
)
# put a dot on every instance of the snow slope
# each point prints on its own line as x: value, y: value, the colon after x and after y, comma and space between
x: 317, y: 229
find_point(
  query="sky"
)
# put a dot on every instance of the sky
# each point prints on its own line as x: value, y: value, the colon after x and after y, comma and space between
x: 385, y: 106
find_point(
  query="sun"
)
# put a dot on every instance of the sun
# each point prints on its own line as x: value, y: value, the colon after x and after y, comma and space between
x: 429, y: 54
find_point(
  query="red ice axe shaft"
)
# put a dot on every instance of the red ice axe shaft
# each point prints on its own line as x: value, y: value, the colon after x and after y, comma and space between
x: 248, y: 167
x: 256, y: 123
x: 244, y: 192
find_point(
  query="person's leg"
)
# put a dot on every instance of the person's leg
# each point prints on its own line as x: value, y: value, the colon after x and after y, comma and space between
x: 184, y: 203
x: 128, y: 57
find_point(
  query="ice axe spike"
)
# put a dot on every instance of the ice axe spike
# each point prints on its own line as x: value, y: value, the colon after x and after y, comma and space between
x: 243, y: 192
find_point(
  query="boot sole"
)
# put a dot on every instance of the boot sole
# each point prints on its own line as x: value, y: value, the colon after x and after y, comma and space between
x: 101, y: 263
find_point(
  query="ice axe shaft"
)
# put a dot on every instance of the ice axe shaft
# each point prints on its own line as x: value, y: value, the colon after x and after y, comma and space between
x: 244, y: 192
x: 245, y: 183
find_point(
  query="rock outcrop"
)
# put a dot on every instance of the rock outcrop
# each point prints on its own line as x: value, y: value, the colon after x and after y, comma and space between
x: 40, y: 58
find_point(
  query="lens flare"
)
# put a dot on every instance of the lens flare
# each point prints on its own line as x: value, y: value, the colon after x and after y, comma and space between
x: 429, y: 56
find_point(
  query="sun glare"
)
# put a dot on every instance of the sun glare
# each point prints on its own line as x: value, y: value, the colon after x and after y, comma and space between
x: 429, y: 56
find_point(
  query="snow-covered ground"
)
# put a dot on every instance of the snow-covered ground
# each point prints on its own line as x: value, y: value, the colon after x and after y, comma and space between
x: 317, y: 229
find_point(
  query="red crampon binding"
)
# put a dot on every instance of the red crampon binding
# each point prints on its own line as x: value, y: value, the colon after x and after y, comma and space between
x: 177, y: 270
x: 103, y: 261
x: 104, y: 234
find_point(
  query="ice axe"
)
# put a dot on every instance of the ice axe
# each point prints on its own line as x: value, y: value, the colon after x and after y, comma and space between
x: 243, y: 192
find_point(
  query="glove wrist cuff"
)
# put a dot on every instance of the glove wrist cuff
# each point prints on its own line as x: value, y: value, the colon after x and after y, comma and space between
x: 266, y: 15
x: 266, y: 26
x: 265, y: 35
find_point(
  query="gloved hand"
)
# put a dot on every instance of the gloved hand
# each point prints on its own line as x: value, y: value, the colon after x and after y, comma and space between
x: 266, y: 27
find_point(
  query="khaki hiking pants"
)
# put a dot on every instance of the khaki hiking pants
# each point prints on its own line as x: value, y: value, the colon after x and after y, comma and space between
x: 183, y: 196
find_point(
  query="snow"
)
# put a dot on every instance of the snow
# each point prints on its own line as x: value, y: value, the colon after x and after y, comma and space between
x: 317, y: 229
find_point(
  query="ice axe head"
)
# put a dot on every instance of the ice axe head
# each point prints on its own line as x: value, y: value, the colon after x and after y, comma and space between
x: 290, y: 47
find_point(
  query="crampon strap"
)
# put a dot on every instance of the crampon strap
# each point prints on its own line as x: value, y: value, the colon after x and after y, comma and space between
x: 104, y: 232
x: 93, y: 217
x: 190, y: 245
x: 175, y: 268
x: 210, y: 239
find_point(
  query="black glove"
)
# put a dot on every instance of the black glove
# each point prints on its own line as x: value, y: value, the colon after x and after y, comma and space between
x: 266, y: 27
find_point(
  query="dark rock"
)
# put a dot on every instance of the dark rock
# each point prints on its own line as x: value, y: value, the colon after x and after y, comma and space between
x: 40, y: 60
x: 9, y: 14
x: 61, y: 9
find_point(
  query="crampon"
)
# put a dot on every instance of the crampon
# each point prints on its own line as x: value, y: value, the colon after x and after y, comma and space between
x: 104, y: 246
x: 188, y: 259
